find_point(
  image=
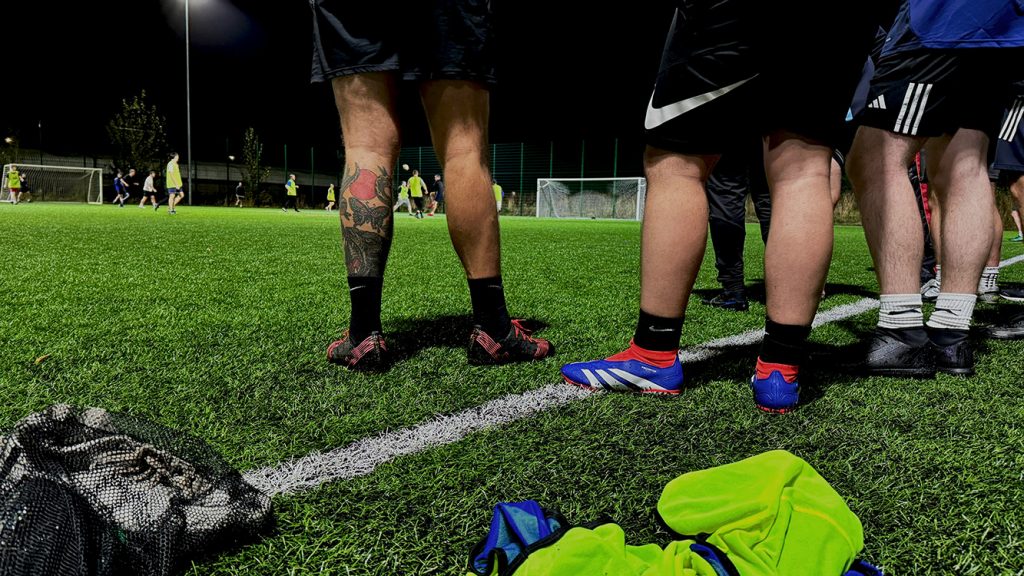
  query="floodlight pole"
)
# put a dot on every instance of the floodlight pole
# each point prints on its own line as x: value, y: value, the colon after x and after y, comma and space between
x: 188, y: 105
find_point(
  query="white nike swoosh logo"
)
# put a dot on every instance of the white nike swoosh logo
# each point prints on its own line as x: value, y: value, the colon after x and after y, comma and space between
x: 658, y: 116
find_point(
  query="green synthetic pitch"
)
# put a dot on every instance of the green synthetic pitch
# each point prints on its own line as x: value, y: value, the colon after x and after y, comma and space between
x: 215, y: 322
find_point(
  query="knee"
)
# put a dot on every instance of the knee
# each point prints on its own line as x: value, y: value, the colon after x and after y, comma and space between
x: 868, y: 164
x: 379, y: 142
x: 463, y: 153
x: 664, y: 166
x: 855, y: 170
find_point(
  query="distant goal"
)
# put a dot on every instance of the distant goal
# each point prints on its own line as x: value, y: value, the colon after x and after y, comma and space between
x: 593, y: 198
x: 56, y: 184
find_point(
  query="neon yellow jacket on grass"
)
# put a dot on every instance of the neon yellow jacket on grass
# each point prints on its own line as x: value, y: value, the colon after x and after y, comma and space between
x: 768, y: 515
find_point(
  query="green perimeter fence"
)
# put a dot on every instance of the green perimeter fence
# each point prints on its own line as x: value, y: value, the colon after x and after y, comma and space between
x: 515, y: 166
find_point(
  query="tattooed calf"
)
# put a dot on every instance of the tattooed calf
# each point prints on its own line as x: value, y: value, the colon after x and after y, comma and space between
x: 366, y: 220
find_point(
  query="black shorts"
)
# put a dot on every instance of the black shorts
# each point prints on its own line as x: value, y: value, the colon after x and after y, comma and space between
x: 422, y: 40
x: 930, y: 93
x: 1009, y: 143
x: 735, y: 68
x: 418, y: 202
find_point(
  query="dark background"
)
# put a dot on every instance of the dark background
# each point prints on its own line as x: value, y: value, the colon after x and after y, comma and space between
x: 568, y: 72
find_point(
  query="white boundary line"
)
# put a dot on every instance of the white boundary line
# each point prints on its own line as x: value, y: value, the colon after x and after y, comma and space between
x: 1011, y: 261
x: 363, y: 456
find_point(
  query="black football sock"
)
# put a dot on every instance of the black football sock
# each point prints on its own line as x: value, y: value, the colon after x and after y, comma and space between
x: 489, y: 310
x: 657, y: 333
x: 365, y: 292
x: 784, y: 343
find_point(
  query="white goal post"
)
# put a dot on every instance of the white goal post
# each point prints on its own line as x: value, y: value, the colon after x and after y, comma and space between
x: 55, y: 184
x: 591, y: 198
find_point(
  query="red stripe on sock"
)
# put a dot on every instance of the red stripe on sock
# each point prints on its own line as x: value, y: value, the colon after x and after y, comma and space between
x: 788, y: 371
x: 661, y: 359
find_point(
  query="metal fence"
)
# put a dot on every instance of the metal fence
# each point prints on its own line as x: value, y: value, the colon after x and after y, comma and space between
x: 515, y: 166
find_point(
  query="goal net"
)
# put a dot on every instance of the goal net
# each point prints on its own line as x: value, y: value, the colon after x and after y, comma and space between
x: 55, y: 184
x: 612, y: 198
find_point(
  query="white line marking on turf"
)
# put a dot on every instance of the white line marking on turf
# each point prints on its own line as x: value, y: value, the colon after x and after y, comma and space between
x: 715, y: 347
x: 362, y: 457
x: 1011, y: 261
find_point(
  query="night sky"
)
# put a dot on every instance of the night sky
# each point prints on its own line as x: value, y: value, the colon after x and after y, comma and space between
x: 565, y: 75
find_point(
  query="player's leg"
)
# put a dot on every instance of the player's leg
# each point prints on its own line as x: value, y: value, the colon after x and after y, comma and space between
x: 674, y: 237
x: 988, y: 286
x: 930, y: 95
x: 458, y: 114
x: 727, y: 194
x: 811, y: 73
x: 796, y: 261
x: 961, y: 175
x: 762, y: 199
x: 929, y: 283
x: 835, y: 181
x: 960, y: 182
x: 935, y: 228
x: 799, y: 175
x: 1017, y: 191
x: 878, y: 170
x: 369, y: 126
x: 707, y: 58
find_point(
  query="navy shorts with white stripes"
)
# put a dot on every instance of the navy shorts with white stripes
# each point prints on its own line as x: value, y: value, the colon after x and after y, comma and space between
x: 1009, y: 144
x: 929, y: 93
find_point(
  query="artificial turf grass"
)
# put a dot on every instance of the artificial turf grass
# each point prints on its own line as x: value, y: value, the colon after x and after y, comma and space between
x: 937, y: 489
x: 238, y: 360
